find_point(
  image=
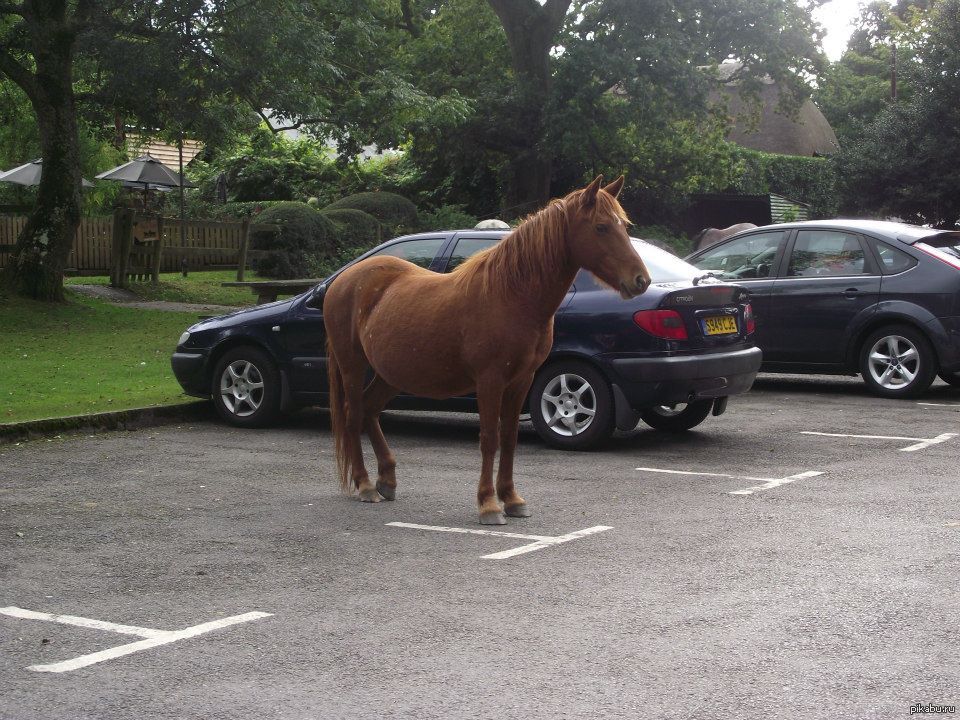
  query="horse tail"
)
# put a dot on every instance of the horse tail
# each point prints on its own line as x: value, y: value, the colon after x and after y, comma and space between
x: 338, y: 414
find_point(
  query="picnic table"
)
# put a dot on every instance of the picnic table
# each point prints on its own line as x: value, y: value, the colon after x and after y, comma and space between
x: 268, y: 290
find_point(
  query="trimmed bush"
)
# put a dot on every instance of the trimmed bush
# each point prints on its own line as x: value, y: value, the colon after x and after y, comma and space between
x: 394, y: 212
x: 305, y: 236
x: 356, y: 229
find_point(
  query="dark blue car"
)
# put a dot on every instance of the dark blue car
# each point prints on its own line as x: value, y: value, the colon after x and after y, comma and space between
x: 848, y: 296
x: 669, y: 357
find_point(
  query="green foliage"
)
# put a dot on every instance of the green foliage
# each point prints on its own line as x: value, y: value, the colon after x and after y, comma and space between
x: 395, y: 212
x: 304, y: 234
x: 663, y: 236
x: 447, y: 217
x: 355, y: 228
x: 857, y: 88
x: 904, y: 161
x: 809, y: 180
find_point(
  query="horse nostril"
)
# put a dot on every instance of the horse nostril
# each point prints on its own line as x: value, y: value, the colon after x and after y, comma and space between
x: 641, y: 282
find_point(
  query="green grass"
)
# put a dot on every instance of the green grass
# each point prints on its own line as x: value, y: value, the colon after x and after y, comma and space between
x: 85, y: 356
x: 197, y: 287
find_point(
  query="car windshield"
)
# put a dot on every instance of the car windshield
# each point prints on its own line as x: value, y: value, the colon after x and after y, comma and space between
x: 662, y: 266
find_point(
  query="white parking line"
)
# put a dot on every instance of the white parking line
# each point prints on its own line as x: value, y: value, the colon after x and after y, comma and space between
x: 540, y: 541
x: 152, y: 637
x: 768, y: 483
x: 919, y: 443
x: 930, y: 404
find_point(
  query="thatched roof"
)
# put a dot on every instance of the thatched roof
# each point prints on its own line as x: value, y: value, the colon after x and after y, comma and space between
x: 807, y: 133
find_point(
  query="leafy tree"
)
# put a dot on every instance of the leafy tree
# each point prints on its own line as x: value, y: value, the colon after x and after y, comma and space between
x: 541, y: 75
x: 189, y: 66
x: 856, y: 88
x: 904, y: 163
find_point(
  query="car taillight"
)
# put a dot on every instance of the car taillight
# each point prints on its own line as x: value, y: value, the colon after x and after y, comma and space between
x: 662, y: 323
x: 748, y: 318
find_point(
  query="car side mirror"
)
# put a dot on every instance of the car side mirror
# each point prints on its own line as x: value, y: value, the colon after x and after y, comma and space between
x: 316, y: 297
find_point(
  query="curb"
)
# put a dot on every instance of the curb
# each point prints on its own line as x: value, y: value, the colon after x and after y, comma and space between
x: 98, y: 422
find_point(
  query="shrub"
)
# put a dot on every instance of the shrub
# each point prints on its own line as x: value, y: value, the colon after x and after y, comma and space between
x: 356, y: 229
x: 304, y: 236
x: 240, y: 210
x: 447, y: 217
x: 395, y: 212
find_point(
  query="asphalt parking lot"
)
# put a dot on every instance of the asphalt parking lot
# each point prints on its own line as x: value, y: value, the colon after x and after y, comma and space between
x: 748, y: 569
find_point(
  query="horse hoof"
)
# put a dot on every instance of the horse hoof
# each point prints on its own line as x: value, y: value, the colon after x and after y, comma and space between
x: 389, y: 492
x: 518, y: 511
x: 370, y: 495
x: 492, y: 518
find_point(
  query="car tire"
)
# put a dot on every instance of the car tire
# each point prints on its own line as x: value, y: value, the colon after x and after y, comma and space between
x: 679, y: 417
x: 571, y: 406
x: 951, y: 378
x: 246, y: 387
x: 897, y: 361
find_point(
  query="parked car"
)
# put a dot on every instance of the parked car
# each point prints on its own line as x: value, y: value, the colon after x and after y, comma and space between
x: 849, y: 296
x: 669, y: 357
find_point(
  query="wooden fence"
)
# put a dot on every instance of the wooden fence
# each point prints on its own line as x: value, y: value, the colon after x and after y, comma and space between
x: 207, y: 244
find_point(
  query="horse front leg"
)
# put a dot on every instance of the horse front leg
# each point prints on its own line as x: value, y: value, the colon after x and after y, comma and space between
x: 510, y: 407
x: 489, y: 398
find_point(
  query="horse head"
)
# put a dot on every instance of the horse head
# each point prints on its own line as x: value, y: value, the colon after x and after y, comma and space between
x: 598, y: 239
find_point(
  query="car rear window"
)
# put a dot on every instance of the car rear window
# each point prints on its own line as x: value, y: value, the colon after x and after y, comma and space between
x: 947, y: 243
x: 662, y: 266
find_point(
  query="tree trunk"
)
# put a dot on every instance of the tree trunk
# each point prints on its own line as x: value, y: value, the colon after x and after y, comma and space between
x: 530, y: 28
x: 36, y: 266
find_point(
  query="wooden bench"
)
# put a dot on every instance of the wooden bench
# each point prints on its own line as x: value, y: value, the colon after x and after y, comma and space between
x: 268, y: 290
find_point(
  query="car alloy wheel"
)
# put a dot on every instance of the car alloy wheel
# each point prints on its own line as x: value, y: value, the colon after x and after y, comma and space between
x: 246, y: 387
x: 898, y: 362
x: 568, y: 404
x: 571, y: 405
x: 241, y: 388
x: 678, y: 417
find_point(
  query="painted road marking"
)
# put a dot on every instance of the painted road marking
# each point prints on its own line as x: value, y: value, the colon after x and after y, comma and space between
x: 152, y: 637
x: 540, y: 541
x: 768, y: 483
x: 930, y: 404
x: 919, y: 443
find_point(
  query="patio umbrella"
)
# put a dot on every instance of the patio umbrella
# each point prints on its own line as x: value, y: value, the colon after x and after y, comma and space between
x: 29, y: 174
x: 144, y: 172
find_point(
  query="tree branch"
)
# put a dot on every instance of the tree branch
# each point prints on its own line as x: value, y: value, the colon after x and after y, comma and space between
x: 22, y: 77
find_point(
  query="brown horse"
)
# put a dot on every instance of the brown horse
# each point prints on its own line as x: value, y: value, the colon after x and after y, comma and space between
x: 485, y: 328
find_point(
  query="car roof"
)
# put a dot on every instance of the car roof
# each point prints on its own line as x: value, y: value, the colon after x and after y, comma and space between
x: 904, y: 232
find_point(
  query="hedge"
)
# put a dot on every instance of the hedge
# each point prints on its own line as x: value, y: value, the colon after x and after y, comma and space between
x: 305, y: 237
x: 395, y: 212
x: 356, y: 229
x: 812, y: 180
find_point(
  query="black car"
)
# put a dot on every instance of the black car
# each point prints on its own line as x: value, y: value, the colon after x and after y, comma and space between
x: 849, y: 296
x: 669, y: 356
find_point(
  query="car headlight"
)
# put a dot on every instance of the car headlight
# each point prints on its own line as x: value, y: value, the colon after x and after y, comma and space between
x: 183, y: 338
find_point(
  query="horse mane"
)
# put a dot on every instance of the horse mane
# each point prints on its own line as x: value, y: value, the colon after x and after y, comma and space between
x: 535, y: 247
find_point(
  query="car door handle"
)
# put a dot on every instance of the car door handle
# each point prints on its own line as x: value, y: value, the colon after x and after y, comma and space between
x: 851, y: 293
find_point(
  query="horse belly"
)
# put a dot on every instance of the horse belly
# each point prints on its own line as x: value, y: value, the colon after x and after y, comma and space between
x: 414, y: 351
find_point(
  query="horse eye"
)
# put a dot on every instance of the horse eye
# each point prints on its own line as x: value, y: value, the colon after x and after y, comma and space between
x: 601, y: 228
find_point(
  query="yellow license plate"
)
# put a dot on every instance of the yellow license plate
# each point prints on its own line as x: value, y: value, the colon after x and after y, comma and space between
x: 720, y: 325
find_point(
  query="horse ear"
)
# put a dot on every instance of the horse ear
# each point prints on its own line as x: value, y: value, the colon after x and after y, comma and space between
x: 589, y: 194
x: 615, y: 187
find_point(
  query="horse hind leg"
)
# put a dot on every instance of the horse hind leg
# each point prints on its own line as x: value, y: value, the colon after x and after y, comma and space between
x: 353, y: 373
x: 375, y: 399
x: 489, y: 396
